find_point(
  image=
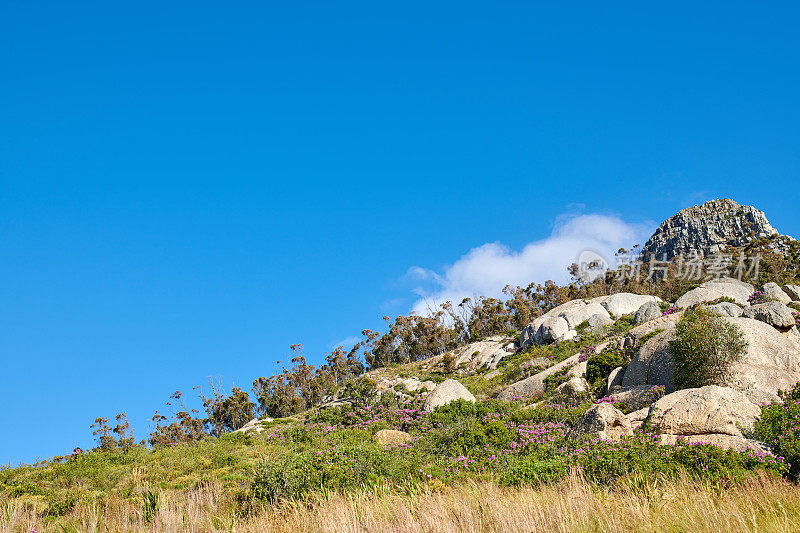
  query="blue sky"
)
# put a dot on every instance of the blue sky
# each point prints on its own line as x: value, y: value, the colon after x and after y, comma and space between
x: 186, y: 189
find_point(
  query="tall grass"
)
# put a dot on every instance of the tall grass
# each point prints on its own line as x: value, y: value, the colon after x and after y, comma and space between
x: 761, y: 503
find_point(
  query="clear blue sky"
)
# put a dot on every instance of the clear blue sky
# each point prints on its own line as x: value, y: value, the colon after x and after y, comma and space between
x: 187, y: 188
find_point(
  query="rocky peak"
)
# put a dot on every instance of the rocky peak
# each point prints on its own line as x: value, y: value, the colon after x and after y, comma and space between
x: 707, y: 229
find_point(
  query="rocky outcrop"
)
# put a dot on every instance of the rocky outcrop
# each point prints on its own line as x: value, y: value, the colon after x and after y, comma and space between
x: 624, y: 303
x: 446, y: 392
x: 604, y: 421
x: 485, y: 354
x: 714, y: 289
x: 772, y: 361
x: 711, y: 409
x: 775, y: 314
x: 637, y: 397
x: 707, y: 229
x: 559, y: 323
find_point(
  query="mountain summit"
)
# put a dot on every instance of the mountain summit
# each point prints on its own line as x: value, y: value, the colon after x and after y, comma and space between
x: 710, y: 228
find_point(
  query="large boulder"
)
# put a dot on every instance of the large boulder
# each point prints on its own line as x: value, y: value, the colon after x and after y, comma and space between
x: 647, y: 311
x: 625, y: 303
x: 445, y: 392
x: 534, y: 385
x: 714, y: 289
x: 709, y: 409
x: 772, y: 361
x: 773, y: 291
x: 572, y: 389
x: 604, y: 421
x: 552, y: 329
x: 775, y: 314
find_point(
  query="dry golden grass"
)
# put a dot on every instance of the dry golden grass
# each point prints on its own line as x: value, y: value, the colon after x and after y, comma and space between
x: 761, y: 504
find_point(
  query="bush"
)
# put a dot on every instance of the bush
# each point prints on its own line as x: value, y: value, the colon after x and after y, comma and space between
x: 599, y: 366
x: 705, y: 347
x: 778, y: 426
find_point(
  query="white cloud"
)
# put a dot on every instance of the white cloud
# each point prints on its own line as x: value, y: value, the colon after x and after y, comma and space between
x: 485, y: 270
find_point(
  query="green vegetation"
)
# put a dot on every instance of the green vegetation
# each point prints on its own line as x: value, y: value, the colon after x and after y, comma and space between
x: 704, y: 349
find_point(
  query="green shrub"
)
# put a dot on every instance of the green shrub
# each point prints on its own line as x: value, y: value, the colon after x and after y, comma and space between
x: 554, y: 380
x: 705, y: 347
x: 599, y: 366
x: 778, y: 427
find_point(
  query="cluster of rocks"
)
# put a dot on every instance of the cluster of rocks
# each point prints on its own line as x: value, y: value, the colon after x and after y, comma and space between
x: 560, y: 323
x: 714, y: 415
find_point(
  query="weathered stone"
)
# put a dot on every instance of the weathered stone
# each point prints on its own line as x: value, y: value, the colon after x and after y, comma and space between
x: 597, y: 320
x: 446, y: 392
x: 715, y: 289
x: 615, y: 378
x: 775, y: 314
x: 773, y: 291
x: 551, y: 329
x: 578, y: 371
x: 483, y: 354
x: 534, y: 385
x: 793, y: 291
x: 572, y: 389
x: 709, y: 228
x: 603, y: 420
x: 653, y: 364
x: 709, y: 409
x: 647, y: 311
x: 625, y: 303
x: 726, y: 309
x: 391, y: 437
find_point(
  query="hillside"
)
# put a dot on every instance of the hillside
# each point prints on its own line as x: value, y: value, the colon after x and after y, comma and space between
x: 606, y: 405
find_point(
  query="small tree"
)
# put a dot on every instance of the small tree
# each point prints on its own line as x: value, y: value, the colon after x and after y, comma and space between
x: 705, y: 348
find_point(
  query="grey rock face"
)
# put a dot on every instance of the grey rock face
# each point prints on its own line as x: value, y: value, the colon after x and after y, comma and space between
x: 707, y: 229
x: 646, y: 312
x: 446, y: 392
x: 775, y: 314
x: 603, y: 420
x: 710, y: 409
x: 773, y: 291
